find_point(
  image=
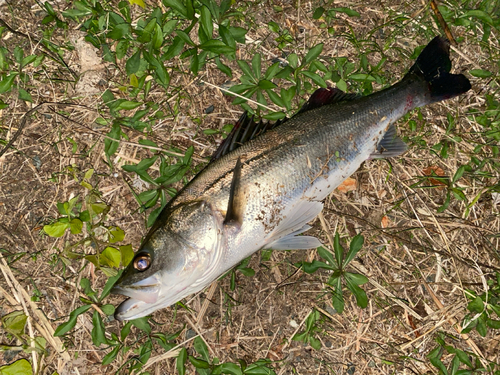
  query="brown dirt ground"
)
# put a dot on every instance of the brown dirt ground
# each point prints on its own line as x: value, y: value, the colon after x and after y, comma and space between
x: 416, y: 246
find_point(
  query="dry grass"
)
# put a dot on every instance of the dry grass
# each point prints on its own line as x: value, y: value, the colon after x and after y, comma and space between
x: 419, y: 262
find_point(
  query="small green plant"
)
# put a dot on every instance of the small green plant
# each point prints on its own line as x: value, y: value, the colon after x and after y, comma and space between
x: 337, y: 263
x: 13, y: 65
x: 307, y: 337
x: 98, y: 235
x: 14, y: 325
x: 483, y: 309
x: 206, y: 366
x: 459, y: 358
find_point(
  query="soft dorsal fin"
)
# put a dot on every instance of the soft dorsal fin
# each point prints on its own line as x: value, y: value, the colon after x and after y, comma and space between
x: 247, y: 129
x: 324, y: 96
x: 235, y: 205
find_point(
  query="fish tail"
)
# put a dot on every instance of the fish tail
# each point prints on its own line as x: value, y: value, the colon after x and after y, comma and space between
x: 434, y: 65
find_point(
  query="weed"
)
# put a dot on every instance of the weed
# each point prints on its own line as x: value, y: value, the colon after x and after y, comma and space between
x: 204, y: 365
x: 337, y: 263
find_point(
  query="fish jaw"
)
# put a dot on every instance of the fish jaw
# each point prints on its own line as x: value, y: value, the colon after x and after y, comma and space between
x: 153, y: 293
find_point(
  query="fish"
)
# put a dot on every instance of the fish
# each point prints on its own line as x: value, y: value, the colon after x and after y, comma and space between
x: 267, y: 181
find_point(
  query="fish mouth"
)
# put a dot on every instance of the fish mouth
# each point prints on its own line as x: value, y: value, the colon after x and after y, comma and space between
x: 141, y: 295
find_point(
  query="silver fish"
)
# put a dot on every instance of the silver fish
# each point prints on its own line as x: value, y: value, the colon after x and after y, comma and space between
x: 263, y: 193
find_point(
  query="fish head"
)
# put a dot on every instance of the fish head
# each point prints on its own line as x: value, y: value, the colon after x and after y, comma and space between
x: 176, y: 259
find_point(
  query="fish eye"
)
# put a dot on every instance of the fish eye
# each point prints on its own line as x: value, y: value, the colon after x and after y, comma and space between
x: 142, y: 262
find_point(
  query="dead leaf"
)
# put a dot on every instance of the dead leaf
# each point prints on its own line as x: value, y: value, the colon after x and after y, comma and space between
x: 384, y: 222
x: 348, y: 185
x: 437, y: 171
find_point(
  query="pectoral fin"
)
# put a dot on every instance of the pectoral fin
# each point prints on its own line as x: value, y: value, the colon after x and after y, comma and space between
x: 236, y: 203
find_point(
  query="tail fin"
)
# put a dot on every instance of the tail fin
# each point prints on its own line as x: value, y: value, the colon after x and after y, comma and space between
x: 433, y: 65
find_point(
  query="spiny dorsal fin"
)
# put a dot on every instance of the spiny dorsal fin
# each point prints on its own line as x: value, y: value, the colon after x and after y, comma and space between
x: 247, y: 129
x: 235, y: 205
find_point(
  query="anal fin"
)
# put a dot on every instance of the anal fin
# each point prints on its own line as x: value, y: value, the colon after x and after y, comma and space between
x: 390, y: 145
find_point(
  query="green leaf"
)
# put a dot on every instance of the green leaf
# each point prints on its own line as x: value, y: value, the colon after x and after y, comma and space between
x: 148, y: 31
x: 223, y: 68
x: 246, y: 69
x: 180, y: 362
x: 138, y: 2
x: 198, y: 363
x: 116, y: 234
x: 216, y: 46
x: 354, y: 247
x: 274, y: 27
x: 201, y: 348
x: 481, y: 326
x: 97, y: 334
x: 315, y: 78
x: 142, y: 324
x: 287, y: 96
x: 315, y: 343
x: 133, y: 63
x: 318, y: 12
x: 178, y: 5
x: 328, y: 256
x: 350, y: 12
x: 315, y: 265
x: 337, y: 297
x: 6, y: 83
x: 362, y: 77
x: 256, y: 65
x: 342, y: 85
x: 24, y: 95
x: 458, y: 174
x: 185, y: 38
x: 480, y: 73
x: 361, y: 298
x: 14, y: 323
x: 463, y: 357
x: 19, y: 367
x: 206, y: 21
x: 119, y: 31
x: 264, y: 84
x: 238, y: 33
x: 275, y: 98
x: 127, y: 105
x: 479, y: 14
x: 175, y: 48
x: 339, y: 250
x: 293, y: 60
x: 436, y: 362
x: 110, y: 357
x: 110, y: 257
x: 273, y: 116
x: 108, y: 286
x: 356, y: 278
x: 56, y: 229
x: 476, y: 305
x: 495, y: 324
x: 230, y: 368
x: 159, y: 70
x: 300, y: 336
x: 110, y: 145
x: 313, y: 53
x: 65, y: 327
x: 76, y: 226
